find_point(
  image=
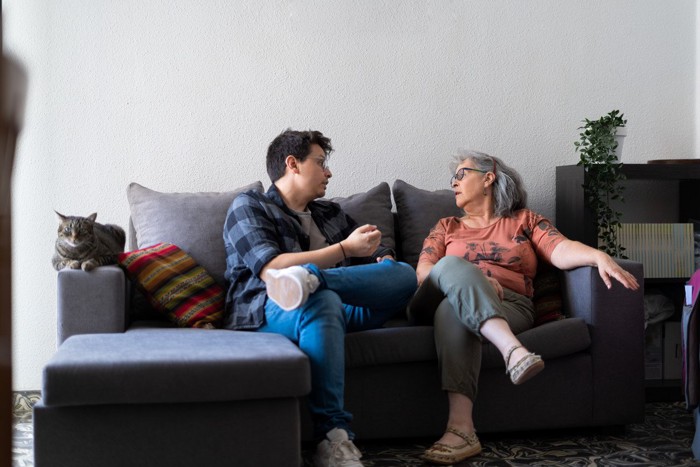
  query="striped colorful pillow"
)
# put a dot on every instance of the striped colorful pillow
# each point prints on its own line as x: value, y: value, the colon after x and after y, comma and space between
x: 175, y: 285
x: 547, y: 299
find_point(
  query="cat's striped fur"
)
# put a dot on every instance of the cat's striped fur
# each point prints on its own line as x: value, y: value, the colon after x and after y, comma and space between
x: 85, y: 244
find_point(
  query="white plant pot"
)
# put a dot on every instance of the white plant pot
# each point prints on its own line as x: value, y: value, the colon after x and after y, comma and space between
x: 620, y: 139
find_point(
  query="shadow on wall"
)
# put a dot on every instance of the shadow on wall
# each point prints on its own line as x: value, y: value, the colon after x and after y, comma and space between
x: 13, y: 91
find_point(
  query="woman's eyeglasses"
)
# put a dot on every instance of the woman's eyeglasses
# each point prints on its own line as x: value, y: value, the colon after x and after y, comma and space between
x: 459, y: 175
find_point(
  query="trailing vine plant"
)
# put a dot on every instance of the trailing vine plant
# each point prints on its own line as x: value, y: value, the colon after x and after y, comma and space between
x: 603, y: 175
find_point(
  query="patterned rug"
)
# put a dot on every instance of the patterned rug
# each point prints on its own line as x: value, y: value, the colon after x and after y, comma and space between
x: 662, y: 440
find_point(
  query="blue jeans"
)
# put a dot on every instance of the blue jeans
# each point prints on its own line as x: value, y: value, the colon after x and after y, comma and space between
x: 348, y: 299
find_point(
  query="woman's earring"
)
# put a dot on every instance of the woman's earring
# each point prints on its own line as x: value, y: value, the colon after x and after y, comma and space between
x: 485, y: 194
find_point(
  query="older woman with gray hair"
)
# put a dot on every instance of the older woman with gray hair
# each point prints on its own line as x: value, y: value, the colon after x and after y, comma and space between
x: 476, y: 281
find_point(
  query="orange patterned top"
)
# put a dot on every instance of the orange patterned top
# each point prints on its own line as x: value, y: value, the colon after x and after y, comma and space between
x: 506, y: 250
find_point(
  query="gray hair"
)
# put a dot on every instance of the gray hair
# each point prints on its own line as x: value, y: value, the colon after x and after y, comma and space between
x: 509, y: 194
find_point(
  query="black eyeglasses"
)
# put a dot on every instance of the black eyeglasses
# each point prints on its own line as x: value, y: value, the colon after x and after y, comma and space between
x: 462, y: 171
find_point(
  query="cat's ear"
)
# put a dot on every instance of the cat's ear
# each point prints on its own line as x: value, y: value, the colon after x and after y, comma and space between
x: 60, y: 217
x: 92, y: 217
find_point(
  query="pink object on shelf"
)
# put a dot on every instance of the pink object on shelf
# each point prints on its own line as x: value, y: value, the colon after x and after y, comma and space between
x: 695, y: 282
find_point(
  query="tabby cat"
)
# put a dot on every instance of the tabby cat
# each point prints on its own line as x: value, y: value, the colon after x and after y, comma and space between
x: 84, y: 243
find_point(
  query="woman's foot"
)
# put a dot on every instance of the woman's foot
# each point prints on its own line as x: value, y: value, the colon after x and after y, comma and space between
x: 452, y: 439
x: 527, y: 364
x: 454, y: 446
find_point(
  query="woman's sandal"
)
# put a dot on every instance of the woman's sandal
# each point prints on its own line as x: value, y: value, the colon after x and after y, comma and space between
x: 443, y: 454
x: 525, y: 368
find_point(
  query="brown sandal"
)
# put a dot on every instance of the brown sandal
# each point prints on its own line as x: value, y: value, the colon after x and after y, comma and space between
x: 525, y: 368
x: 443, y: 454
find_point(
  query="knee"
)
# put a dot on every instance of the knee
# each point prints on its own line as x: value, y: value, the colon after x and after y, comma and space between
x: 403, y: 276
x: 456, y: 265
x: 453, y: 262
x: 403, y: 282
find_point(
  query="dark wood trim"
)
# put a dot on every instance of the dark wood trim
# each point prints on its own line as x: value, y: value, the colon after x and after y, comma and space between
x: 5, y: 299
x: 7, y: 145
x: 13, y: 82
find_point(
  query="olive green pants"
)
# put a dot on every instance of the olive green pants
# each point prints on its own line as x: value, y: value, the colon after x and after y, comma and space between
x: 457, y: 298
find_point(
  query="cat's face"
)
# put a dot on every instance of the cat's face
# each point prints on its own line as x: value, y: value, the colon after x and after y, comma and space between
x: 74, y: 230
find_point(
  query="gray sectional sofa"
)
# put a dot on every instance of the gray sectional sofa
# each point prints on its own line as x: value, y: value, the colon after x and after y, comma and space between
x: 127, y: 389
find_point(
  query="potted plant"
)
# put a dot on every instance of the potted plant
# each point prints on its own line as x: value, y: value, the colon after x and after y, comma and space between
x: 603, y: 173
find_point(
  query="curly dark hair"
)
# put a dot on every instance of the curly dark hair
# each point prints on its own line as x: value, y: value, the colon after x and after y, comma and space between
x: 295, y: 143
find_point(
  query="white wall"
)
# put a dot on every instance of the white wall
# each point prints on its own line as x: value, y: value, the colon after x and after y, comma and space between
x: 185, y: 96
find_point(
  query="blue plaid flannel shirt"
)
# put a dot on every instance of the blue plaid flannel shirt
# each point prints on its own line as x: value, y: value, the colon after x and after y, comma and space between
x: 259, y: 227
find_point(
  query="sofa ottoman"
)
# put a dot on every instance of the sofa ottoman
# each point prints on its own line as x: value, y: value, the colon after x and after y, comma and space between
x: 234, y: 394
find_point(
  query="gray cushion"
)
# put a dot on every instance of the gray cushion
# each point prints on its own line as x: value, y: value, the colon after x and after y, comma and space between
x: 409, y: 344
x: 387, y: 346
x: 192, y: 221
x: 551, y: 340
x: 174, y: 365
x: 372, y: 207
x: 418, y: 211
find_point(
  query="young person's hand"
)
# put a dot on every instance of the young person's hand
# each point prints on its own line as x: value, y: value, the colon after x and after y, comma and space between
x: 380, y: 259
x: 363, y: 241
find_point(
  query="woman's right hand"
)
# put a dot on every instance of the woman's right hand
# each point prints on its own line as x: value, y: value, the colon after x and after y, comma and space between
x: 497, y: 287
x: 422, y: 271
x: 363, y: 241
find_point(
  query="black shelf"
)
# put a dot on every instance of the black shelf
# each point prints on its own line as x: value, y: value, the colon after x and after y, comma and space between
x: 575, y: 220
x: 659, y: 390
x: 660, y: 193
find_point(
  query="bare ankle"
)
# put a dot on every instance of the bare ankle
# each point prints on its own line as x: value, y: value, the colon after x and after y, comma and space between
x: 513, y: 354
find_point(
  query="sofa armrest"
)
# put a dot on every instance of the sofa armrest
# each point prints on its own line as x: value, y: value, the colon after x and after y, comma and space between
x: 91, y: 302
x: 615, y: 319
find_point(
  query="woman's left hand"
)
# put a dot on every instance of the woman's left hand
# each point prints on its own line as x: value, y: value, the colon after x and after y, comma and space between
x: 608, y: 268
x: 571, y: 254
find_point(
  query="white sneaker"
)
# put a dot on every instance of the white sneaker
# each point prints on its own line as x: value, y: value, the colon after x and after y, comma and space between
x: 337, y: 451
x: 290, y: 287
